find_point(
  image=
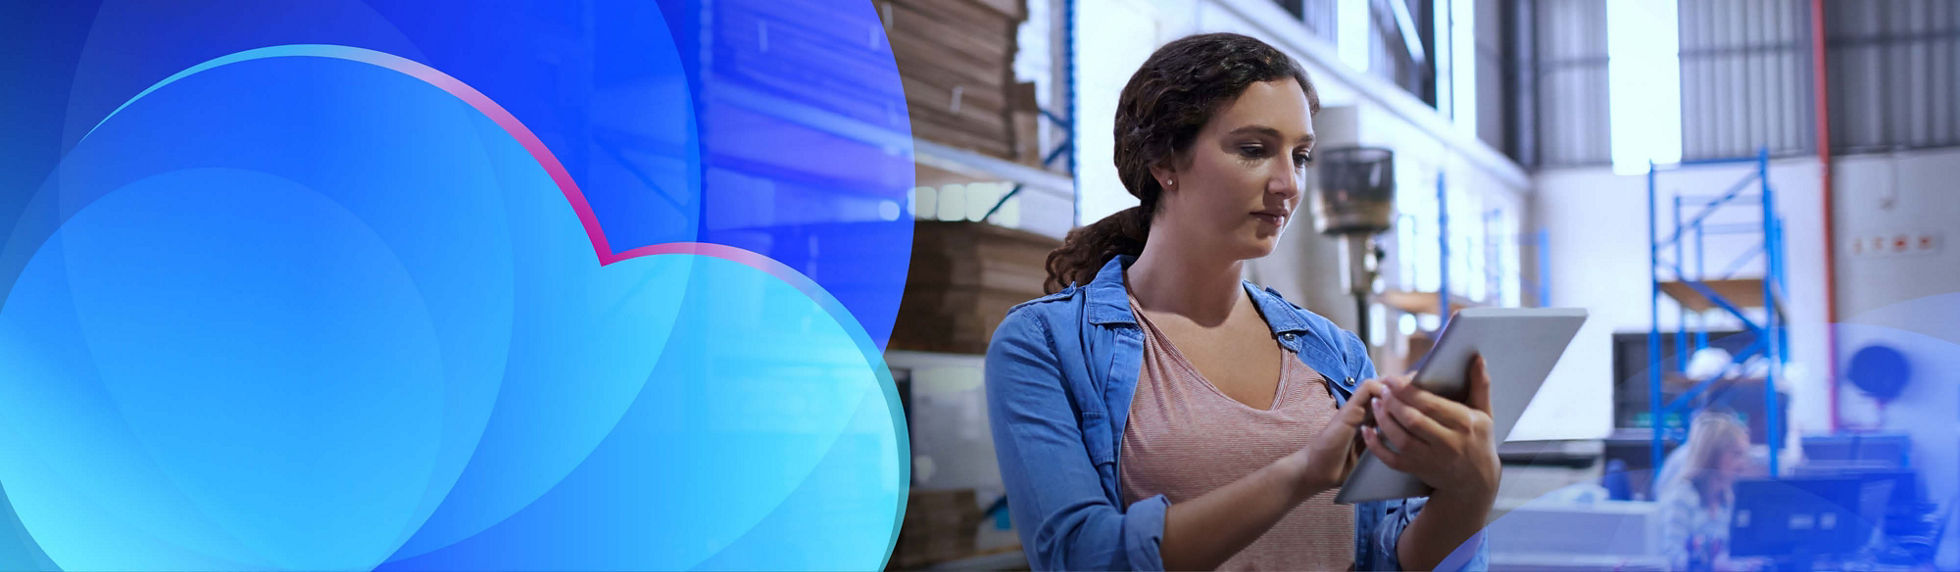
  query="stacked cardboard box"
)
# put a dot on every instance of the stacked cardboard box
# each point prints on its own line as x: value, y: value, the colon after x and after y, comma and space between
x: 1024, y: 115
x: 956, y: 60
x: 964, y: 278
x: 938, y: 526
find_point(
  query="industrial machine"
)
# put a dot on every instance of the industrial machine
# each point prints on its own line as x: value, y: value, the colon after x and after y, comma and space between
x: 1355, y: 203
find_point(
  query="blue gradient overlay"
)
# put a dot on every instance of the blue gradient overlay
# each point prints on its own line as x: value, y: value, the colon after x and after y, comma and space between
x: 311, y: 313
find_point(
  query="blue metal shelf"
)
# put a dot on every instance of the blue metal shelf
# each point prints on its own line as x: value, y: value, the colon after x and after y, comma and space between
x: 1443, y: 301
x: 1496, y: 240
x: 1494, y: 268
x: 1443, y: 250
x: 1697, y: 293
x: 1065, y: 148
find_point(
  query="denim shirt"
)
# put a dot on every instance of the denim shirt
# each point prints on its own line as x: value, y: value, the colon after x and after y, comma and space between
x: 1060, y: 375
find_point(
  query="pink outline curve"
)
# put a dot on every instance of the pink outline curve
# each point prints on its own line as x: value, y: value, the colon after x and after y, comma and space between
x: 575, y: 196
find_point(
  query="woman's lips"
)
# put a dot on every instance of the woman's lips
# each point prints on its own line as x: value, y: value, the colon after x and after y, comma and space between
x: 1270, y: 218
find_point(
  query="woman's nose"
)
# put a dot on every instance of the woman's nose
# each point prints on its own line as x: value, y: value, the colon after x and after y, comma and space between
x: 1286, y: 184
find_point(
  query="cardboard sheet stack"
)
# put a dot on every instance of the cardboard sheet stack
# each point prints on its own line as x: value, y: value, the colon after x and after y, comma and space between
x: 938, y: 526
x: 964, y: 278
x: 956, y: 59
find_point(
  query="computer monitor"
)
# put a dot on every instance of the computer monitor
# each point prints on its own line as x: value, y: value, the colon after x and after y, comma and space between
x: 1906, y: 492
x: 1806, y: 518
x: 1858, y: 450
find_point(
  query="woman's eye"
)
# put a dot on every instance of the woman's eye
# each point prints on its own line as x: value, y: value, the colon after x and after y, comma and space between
x: 1302, y: 160
x: 1252, y: 151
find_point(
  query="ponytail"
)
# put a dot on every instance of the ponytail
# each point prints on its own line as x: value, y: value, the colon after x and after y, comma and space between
x: 1088, y: 248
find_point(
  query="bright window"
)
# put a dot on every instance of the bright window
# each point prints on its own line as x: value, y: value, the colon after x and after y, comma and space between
x: 1643, y: 67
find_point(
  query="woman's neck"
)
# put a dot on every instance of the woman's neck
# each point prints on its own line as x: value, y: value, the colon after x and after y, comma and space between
x: 1713, y: 490
x: 1183, y: 281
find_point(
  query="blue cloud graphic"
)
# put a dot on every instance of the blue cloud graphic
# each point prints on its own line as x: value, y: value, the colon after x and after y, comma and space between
x: 313, y: 313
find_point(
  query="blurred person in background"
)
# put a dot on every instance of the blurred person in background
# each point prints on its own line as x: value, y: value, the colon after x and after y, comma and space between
x: 1697, y: 493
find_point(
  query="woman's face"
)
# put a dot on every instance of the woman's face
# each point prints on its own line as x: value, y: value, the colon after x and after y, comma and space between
x: 1237, y: 186
x: 1734, y: 461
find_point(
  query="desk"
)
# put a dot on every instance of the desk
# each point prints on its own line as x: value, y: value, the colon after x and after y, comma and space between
x: 1563, y: 562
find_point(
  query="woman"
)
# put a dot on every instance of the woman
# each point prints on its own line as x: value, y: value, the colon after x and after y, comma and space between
x: 1158, y: 412
x: 1697, y: 500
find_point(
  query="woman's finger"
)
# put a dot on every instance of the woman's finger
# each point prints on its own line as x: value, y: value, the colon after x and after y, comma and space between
x: 1355, y: 410
x: 1479, y: 397
x: 1388, y: 419
x: 1393, y: 382
x: 1422, y: 428
x: 1451, y: 414
x: 1382, y: 451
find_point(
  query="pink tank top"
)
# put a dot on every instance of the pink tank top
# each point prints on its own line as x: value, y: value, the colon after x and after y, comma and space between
x: 1185, y: 438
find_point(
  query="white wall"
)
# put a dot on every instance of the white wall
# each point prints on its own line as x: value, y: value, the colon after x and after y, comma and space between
x: 1909, y: 193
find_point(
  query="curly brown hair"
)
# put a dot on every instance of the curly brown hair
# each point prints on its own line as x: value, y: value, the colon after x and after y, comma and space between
x: 1162, y: 109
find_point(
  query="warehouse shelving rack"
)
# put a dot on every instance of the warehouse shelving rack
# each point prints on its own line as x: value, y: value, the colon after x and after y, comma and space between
x: 1443, y: 301
x: 1440, y: 301
x: 1495, y: 269
x: 1065, y: 148
x: 1699, y: 293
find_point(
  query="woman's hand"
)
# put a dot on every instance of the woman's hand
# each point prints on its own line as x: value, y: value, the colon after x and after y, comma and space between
x: 1325, y: 462
x: 1448, y: 445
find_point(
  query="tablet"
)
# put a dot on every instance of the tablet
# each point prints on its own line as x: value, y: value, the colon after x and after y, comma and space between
x: 1519, y: 345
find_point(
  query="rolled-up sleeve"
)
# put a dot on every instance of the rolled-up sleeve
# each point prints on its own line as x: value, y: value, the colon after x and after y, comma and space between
x: 1393, y: 518
x: 1388, y: 535
x: 1054, y: 494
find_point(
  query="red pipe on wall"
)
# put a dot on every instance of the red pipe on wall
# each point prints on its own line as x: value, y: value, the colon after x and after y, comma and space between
x: 1821, y: 90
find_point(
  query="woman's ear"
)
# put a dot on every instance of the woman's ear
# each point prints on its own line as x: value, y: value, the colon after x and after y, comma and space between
x: 1165, y: 175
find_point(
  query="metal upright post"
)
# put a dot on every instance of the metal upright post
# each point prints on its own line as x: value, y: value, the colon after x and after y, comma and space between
x: 1701, y: 273
x: 1680, y: 309
x: 1074, y: 124
x: 1443, y: 250
x: 1544, y: 268
x: 1773, y: 324
x: 1654, y: 405
x: 1494, y: 243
